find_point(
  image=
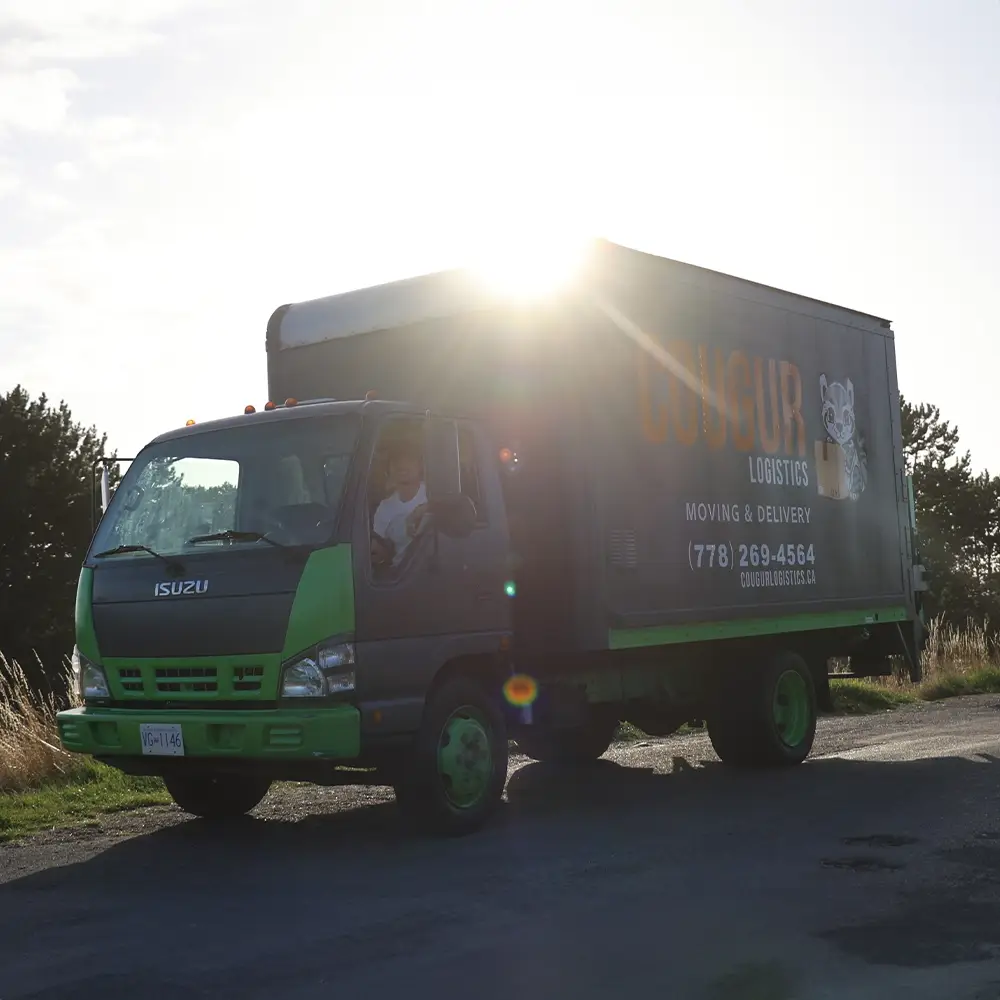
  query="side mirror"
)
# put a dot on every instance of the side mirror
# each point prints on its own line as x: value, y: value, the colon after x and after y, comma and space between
x: 455, y: 518
x: 454, y: 514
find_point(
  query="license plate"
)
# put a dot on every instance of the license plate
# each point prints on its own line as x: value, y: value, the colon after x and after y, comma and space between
x: 161, y: 740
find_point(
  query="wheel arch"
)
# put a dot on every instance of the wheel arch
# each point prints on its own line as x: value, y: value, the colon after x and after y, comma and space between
x: 487, y: 667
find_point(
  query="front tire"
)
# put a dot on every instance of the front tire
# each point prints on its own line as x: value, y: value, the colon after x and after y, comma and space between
x: 766, y: 717
x: 452, y: 782
x: 217, y: 797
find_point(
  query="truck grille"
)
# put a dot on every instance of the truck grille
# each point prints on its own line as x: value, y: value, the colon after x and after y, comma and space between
x: 186, y: 680
x: 250, y: 679
x: 131, y: 679
x: 182, y: 682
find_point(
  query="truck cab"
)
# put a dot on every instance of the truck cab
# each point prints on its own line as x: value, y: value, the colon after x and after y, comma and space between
x: 233, y: 589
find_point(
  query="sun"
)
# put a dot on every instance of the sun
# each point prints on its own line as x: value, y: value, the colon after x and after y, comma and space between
x: 525, y: 264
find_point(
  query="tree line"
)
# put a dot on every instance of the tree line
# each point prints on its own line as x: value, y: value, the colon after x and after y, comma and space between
x: 47, y: 512
x: 958, y: 519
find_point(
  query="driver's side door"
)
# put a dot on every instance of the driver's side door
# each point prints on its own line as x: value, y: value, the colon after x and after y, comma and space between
x: 412, y: 618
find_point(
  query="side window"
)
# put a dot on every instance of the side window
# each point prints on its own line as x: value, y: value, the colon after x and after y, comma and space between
x: 396, y: 493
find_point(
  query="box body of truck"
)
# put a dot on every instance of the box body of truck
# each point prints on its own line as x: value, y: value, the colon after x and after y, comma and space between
x: 702, y: 457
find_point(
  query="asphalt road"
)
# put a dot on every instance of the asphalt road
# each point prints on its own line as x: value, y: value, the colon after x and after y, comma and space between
x: 871, y: 871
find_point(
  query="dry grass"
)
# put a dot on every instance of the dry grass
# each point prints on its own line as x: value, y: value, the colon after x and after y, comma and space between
x: 955, y: 661
x: 41, y: 785
x: 960, y: 661
x: 30, y: 753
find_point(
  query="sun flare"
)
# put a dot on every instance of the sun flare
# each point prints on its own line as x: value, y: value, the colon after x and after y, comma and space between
x: 529, y: 265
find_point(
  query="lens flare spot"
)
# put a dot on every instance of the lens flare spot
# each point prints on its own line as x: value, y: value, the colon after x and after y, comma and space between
x: 520, y: 690
x: 510, y: 588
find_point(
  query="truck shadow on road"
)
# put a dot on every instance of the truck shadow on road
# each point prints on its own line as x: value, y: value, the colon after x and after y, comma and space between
x: 818, y: 802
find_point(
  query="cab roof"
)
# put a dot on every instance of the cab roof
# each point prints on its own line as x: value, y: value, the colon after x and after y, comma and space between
x: 303, y: 410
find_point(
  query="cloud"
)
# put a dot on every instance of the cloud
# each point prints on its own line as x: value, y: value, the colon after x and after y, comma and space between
x: 48, y: 203
x: 45, y: 32
x: 43, y: 43
x: 110, y: 139
x: 37, y: 100
x: 66, y: 171
x: 54, y: 17
x: 83, y: 44
x: 10, y: 180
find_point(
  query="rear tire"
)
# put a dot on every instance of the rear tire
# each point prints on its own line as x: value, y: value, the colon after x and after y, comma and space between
x: 766, y: 716
x: 569, y: 747
x: 453, y: 780
x: 217, y: 796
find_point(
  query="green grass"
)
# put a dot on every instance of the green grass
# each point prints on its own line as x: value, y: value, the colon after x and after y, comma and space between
x: 859, y: 697
x: 90, y: 791
x: 982, y: 680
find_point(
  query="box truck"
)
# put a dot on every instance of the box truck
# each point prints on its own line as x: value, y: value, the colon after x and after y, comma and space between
x: 662, y: 494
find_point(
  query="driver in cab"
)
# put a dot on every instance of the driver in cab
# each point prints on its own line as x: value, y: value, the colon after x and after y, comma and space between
x: 398, y: 517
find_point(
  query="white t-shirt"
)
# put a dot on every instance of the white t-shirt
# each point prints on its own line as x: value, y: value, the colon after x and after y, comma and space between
x: 390, y: 520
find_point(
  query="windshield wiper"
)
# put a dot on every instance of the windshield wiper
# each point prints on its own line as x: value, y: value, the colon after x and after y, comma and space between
x: 119, y: 550
x: 235, y: 536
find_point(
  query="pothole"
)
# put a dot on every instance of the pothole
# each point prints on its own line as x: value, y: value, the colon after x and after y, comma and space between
x: 861, y: 864
x: 881, y: 840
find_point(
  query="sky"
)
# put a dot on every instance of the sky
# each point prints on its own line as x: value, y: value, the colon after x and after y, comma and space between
x: 173, y: 170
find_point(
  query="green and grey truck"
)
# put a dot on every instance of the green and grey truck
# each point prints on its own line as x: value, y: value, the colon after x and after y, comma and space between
x: 662, y: 494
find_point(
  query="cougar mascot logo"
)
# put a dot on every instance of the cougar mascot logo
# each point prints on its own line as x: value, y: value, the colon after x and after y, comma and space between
x: 841, y: 427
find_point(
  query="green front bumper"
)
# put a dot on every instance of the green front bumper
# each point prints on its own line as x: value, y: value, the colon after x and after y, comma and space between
x: 332, y: 733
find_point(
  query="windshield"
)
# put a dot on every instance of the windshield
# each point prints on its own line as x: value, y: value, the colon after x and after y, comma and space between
x: 280, y: 483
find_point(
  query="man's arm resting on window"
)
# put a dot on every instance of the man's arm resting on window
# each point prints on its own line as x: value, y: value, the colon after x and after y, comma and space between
x: 381, y: 550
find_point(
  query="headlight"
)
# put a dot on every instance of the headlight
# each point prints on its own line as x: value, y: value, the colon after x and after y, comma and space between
x: 324, y: 670
x: 90, y: 679
x: 303, y: 679
x: 75, y: 664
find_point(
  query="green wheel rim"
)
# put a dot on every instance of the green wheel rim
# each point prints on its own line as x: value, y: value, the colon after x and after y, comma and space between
x: 790, y: 708
x: 465, y: 758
